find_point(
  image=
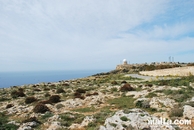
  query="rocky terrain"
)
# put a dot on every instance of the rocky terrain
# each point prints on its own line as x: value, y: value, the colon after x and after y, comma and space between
x: 106, y: 101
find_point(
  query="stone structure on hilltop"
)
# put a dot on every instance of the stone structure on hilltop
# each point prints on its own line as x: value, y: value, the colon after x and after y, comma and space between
x: 125, y: 62
x: 151, y: 66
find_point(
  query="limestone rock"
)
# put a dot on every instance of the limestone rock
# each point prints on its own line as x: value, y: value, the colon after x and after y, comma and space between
x: 157, y: 102
x: 28, y: 126
x: 188, y: 111
x: 54, y: 125
x: 137, y: 94
x: 134, y: 119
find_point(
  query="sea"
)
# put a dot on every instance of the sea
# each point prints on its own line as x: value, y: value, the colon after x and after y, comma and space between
x: 8, y: 79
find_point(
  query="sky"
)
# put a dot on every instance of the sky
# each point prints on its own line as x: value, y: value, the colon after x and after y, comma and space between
x: 93, y: 34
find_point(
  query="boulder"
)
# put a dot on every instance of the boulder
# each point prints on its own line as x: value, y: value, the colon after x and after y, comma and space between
x: 54, y: 125
x: 28, y: 126
x: 158, y: 102
x: 188, y: 112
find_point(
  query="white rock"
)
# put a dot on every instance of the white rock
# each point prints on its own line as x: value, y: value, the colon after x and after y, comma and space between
x: 28, y: 126
x: 137, y: 120
x: 137, y: 94
x: 188, y: 111
x: 157, y: 102
x: 192, y: 99
x: 54, y: 125
x: 72, y: 103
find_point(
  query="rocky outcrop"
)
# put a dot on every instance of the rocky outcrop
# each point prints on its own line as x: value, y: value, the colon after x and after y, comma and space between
x: 134, y: 119
x: 188, y: 112
x: 28, y: 126
x: 159, y: 102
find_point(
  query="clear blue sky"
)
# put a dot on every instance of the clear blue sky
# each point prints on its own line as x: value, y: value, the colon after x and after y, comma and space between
x: 93, y: 34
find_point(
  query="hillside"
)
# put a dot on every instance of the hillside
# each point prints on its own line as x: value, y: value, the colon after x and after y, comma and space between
x: 107, y: 101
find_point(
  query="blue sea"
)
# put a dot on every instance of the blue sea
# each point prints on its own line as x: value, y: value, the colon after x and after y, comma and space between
x: 8, y: 79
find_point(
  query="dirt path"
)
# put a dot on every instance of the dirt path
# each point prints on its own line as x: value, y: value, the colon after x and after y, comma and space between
x: 147, y: 78
x: 179, y: 71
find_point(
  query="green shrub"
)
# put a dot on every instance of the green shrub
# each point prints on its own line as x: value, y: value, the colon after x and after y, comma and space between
x: 3, y: 123
x: 47, y: 115
x: 3, y: 99
x: 180, y: 97
x: 124, y: 118
x: 58, y: 106
x: 69, y: 118
x: 122, y: 102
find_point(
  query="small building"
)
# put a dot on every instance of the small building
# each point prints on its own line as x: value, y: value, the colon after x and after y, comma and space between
x: 125, y: 62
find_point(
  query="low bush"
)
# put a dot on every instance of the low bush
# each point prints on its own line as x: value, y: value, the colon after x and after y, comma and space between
x: 31, y: 119
x: 78, y: 95
x: 45, y: 102
x: 80, y: 90
x: 149, y: 85
x: 122, y: 102
x: 151, y: 95
x: 3, y: 123
x: 29, y: 100
x: 54, y: 98
x: 123, y: 82
x: 60, y: 90
x: 69, y: 118
x: 142, y: 104
x: 176, y: 112
x: 90, y: 94
x: 47, y: 115
x: 37, y: 89
x: 126, y: 87
x: 114, y: 82
x: 47, y: 95
x: 9, y: 106
x: 40, y: 108
x: 16, y: 94
x: 191, y: 103
x: 58, y: 106
x: 113, y: 89
x: 168, y: 91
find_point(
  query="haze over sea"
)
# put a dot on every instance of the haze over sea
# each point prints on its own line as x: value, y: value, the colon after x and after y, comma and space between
x: 8, y: 79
